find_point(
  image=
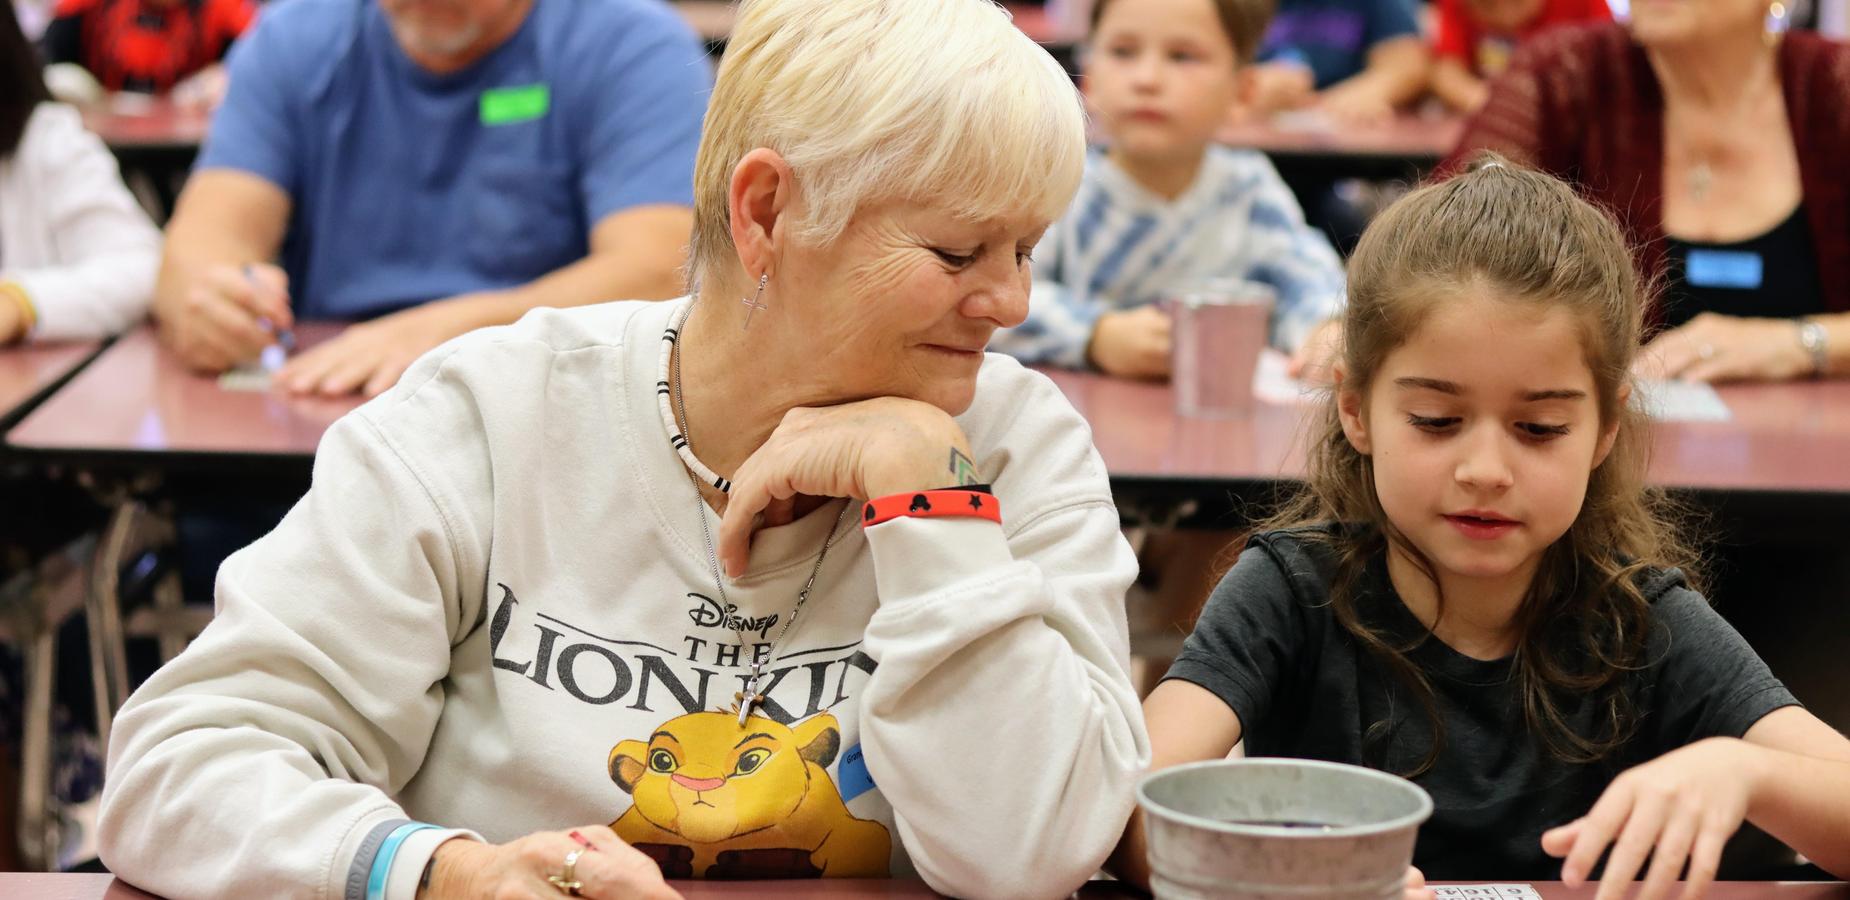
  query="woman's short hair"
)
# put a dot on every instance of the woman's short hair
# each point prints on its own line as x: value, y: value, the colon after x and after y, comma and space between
x: 944, y: 101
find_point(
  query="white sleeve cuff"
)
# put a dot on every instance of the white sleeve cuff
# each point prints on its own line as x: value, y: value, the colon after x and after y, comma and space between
x: 916, y: 557
x: 401, y: 883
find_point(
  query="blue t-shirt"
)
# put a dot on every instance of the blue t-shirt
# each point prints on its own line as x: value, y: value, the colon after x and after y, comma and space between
x: 1333, y: 37
x: 409, y: 187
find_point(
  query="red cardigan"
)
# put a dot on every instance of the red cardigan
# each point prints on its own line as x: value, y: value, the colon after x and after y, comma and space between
x: 1582, y: 103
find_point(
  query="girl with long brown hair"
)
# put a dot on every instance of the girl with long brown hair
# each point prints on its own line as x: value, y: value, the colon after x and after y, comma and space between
x: 1477, y: 590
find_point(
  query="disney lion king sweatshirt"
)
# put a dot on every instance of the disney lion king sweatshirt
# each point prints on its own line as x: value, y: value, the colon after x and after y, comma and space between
x: 494, y: 612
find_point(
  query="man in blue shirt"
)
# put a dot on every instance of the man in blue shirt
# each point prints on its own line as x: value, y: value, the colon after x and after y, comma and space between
x: 428, y: 167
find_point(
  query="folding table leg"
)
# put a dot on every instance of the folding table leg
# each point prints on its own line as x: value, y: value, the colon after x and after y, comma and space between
x: 36, y: 838
x: 108, y: 653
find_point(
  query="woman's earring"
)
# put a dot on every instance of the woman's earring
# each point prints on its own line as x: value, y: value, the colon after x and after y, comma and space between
x: 753, y: 303
x: 1778, y: 19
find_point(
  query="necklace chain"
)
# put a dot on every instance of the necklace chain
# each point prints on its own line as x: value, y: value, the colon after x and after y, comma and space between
x: 750, y: 694
x: 1701, y: 176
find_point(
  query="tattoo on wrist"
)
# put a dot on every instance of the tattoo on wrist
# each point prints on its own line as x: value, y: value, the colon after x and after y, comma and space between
x: 963, y: 471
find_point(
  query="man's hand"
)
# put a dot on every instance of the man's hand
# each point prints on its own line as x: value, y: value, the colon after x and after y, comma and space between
x: 369, y: 357
x: 226, y: 316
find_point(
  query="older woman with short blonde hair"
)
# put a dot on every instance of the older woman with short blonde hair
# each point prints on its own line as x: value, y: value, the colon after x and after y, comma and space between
x: 784, y: 579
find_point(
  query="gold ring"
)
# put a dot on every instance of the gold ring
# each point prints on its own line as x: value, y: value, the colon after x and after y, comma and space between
x: 567, y: 880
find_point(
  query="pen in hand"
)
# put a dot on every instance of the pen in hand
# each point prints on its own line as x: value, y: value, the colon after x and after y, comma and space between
x: 285, y: 337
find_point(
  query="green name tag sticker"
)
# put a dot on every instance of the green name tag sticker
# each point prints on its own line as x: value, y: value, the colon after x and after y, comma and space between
x: 506, y: 106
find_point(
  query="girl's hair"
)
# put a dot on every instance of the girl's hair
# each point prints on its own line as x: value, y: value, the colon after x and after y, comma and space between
x: 1523, y: 237
x: 22, y: 85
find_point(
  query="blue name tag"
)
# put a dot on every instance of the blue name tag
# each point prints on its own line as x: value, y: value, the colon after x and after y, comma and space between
x: 851, y: 776
x: 1738, y: 269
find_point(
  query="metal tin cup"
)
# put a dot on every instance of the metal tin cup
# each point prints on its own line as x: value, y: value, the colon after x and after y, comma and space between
x: 1220, y: 330
x: 1279, y: 829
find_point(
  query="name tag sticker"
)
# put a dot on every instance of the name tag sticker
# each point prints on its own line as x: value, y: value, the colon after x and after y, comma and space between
x: 1738, y: 269
x: 851, y: 776
x: 506, y: 106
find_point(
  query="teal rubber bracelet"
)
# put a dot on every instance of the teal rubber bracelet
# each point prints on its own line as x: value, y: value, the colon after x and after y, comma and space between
x: 382, y: 863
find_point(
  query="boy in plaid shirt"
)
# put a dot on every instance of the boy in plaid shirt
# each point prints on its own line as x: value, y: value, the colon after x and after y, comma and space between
x: 1165, y: 208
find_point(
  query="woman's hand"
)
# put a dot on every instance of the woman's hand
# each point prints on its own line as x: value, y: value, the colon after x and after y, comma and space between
x: 866, y: 449
x: 1683, y: 806
x: 609, y: 870
x: 1133, y: 344
x: 1714, y: 347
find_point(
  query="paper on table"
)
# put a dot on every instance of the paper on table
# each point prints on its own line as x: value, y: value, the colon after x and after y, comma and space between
x: 1486, y: 892
x: 1272, y: 385
x: 1313, y: 121
x: 1665, y: 401
x: 1682, y: 401
x: 254, y: 375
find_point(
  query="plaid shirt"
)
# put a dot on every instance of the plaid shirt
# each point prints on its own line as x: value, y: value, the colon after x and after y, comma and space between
x: 1120, y: 247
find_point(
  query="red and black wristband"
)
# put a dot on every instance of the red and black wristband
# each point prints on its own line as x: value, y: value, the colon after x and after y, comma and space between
x: 968, y: 502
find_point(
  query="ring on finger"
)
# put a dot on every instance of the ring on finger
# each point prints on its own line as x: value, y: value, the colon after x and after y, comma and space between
x: 567, y: 879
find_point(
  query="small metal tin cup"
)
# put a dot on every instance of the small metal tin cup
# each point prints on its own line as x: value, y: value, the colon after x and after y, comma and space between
x: 1279, y: 829
x: 1220, y: 330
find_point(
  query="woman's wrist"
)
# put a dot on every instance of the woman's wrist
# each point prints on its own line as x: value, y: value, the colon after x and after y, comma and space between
x: 937, y: 455
x: 452, y: 867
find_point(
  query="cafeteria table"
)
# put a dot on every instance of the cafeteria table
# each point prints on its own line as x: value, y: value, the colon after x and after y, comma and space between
x: 23, y: 886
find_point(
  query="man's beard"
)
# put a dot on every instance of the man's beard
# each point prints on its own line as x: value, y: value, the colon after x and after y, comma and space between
x: 437, y: 42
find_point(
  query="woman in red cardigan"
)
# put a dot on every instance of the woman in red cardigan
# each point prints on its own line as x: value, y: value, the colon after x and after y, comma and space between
x: 1723, y: 147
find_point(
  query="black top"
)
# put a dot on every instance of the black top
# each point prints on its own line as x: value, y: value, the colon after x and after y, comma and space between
x: 1269, y: 646
x: 1772, y: 276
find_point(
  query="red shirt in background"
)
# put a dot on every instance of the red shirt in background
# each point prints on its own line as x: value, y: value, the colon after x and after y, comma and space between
x: 1485, y: 52
x: 145, y: 45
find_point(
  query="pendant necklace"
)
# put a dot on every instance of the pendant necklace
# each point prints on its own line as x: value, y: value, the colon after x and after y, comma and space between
x: 1701, y: 177
x: 668, y: 389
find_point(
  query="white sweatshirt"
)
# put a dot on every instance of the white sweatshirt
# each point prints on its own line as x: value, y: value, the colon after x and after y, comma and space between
x: 494, y: 611
x: 71, y: 234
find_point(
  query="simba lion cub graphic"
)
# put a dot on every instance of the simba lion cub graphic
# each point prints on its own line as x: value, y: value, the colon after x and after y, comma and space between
x: 716, y: 801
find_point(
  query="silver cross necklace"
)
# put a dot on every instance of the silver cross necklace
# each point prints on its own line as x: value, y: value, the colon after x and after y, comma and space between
x: 753, y: 694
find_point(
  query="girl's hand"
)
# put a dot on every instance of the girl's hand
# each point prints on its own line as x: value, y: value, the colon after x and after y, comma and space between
x: 867, y: 449
x: 1683, y: 806
x: 1416, y: 886
x: 1315, y: 359
x: 1279, y: 86
x: 1714, y: 347
x: 1356, y: 102
x: 613, y: 870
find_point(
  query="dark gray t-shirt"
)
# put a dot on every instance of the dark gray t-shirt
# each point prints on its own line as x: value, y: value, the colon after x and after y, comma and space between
x: 1269, y: 645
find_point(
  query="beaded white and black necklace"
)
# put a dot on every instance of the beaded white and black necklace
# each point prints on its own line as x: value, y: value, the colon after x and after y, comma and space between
x: 668, y: 392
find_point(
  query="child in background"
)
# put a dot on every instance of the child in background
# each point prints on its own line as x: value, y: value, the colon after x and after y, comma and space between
x: 1164, y: 208
x: 1357, y: 60
x: 78, y: 256
x: 1476, y: 37
x: 149, y: 46
x: 1477, y: 590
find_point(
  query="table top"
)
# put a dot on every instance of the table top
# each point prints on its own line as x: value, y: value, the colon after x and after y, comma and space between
x: 35, y: 886
x: 144, y: 124
x: 1790, y: 438
x: 28, y: 371
x: 1413, y: 139
x: 136, y: 402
